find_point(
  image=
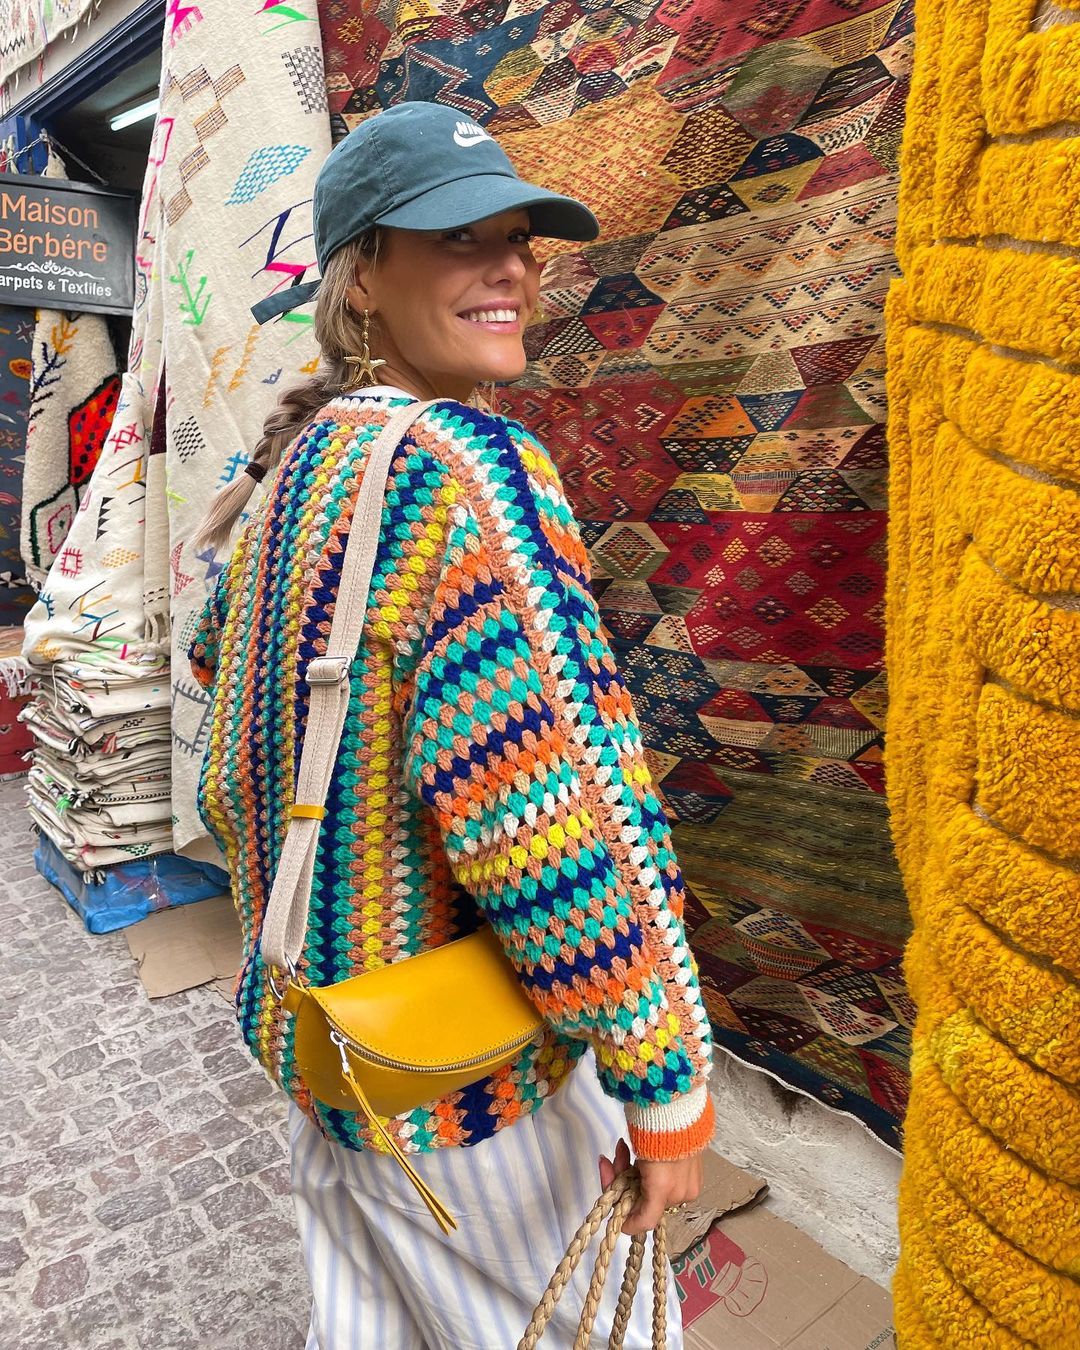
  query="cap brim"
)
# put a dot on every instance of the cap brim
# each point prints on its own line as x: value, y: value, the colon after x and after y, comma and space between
x: 451, y: 205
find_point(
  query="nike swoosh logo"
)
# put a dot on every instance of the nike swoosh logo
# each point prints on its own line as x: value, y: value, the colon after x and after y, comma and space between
x: 470, y: 140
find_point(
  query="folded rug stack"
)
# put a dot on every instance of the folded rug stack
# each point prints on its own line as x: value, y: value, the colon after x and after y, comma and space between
x: 984, y: 671
x: 16, y: 685
x: 100, y: 782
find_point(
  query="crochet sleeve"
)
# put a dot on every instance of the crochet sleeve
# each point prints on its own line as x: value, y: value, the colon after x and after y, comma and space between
x: 204, y: 646
x: 522, y: 740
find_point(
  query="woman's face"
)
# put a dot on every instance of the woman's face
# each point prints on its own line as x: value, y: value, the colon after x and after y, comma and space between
x: 450, y: 306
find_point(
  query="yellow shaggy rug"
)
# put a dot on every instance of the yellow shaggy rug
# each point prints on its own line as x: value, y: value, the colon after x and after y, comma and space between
x: 984, y: 671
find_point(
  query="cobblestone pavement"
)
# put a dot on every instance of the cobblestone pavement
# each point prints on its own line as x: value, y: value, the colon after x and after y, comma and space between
x: 143, y: 1176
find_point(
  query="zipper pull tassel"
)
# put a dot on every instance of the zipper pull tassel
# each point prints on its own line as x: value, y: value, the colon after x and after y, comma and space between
x: 439, y: 1212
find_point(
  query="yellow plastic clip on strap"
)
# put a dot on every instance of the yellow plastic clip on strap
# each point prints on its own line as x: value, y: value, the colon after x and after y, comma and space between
x: 440, y: 1213
x: 309, y: 812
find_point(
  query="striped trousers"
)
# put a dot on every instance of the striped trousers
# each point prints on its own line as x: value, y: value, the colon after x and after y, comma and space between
x: 383, y: 1275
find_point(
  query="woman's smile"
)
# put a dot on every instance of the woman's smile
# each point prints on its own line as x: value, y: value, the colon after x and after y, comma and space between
x: 495, y: 317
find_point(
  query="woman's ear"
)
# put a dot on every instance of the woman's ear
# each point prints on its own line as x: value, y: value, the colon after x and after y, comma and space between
x: 359, y: 294
x: 357, y: 297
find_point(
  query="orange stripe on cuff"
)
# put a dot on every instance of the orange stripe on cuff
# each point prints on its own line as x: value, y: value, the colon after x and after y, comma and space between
x: 671, y: 1145
x: 309, y: 812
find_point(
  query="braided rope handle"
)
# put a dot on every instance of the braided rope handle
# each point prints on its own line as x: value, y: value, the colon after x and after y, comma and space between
x: 614, y: 1206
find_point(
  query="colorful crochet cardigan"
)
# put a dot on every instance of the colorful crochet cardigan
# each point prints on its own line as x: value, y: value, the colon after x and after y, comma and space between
x: 491, y: 769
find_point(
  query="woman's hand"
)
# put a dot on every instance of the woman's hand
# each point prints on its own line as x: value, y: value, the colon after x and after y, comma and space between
x: 663, y: 1186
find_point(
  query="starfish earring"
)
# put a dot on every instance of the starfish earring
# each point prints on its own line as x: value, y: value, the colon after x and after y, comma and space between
x: 365, y: 364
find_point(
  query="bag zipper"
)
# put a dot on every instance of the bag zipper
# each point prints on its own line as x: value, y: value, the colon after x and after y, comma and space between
x: 342, y: 1041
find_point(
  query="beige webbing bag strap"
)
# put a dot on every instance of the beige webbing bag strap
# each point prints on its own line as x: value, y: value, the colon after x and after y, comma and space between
x: 615, y: 1204
x: 285, y: 922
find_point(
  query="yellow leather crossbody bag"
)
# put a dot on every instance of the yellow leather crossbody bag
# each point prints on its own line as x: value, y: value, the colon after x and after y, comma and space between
x: 407, y: 1033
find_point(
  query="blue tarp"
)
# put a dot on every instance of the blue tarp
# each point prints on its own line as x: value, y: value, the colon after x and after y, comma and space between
x: 130, y: 891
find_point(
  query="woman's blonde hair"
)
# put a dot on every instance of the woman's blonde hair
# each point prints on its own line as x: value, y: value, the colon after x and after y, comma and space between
x: 338, y: 333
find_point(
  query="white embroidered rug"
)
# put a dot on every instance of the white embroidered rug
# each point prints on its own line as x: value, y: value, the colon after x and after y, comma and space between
x: 244, y: 95
x: 104, y: 687
x: 92, y: 601
x: 74, y: 390
x: 27, y: 28
x: 225, y: 221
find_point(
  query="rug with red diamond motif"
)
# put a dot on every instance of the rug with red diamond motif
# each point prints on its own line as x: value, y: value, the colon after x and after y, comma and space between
x: 74, y: 390
x: 709, y: 376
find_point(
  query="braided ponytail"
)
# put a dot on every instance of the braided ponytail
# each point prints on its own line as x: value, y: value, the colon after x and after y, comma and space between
x: 337, y: 331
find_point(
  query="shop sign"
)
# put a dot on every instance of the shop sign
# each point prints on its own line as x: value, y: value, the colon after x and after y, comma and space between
x: 66, y: 245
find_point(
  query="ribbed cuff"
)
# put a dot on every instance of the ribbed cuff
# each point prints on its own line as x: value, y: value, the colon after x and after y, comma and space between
x: 676, y: 1130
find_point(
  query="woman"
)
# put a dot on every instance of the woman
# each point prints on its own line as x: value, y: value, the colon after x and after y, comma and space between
x: 491, y: 768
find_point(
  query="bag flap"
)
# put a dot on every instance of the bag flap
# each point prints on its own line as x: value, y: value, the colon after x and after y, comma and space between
x: 457, y: 1003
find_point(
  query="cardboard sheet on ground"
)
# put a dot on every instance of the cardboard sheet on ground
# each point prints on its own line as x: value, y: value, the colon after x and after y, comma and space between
x: 725, y: 1188
x: 754, y: 1282
x: 178, y: 949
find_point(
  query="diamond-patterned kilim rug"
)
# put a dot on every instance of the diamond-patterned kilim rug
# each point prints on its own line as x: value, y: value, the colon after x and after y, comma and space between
x: 709, y: 376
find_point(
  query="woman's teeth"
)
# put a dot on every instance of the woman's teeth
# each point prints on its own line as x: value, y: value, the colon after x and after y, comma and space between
x: 492, y: 316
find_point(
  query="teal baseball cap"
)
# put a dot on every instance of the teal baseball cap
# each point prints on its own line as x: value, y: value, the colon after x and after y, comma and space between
x: 421, y: 166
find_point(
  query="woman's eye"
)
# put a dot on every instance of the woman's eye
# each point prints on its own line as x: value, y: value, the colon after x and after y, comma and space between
x: 457, y: 235
x: 521, y: 237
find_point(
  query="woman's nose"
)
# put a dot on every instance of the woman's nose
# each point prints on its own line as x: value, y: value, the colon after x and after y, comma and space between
x: 505, y: 264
